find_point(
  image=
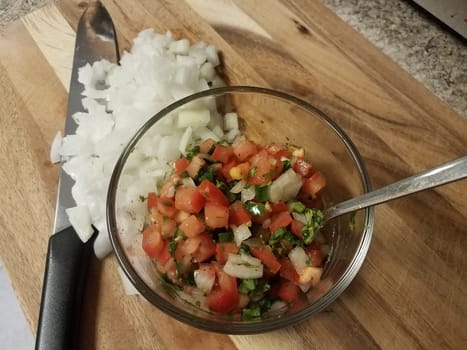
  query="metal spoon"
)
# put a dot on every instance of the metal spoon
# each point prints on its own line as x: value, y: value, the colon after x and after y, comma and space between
x: 442, y: 174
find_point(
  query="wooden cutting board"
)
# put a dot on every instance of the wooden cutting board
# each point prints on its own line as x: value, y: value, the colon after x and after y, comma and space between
x: 409, y: 293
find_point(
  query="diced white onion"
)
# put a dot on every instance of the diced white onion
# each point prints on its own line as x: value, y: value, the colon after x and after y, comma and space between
x: 238, y: 187
x: 248, y: 193
x: 193, y: 118
x: 299, y: 258
x: 299, y: 217
x: 185, y: 140
x: 241, y: 233
x: 188, y: 182
x: 80, y: 219
x: 102, y: 246
x: 243, y: 266
x: 231, y: 121
x: 285, y: 187
x: 204, y: 279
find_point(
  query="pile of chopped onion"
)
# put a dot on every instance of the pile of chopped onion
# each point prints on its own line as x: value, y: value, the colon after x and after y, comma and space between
x: 118, y: 100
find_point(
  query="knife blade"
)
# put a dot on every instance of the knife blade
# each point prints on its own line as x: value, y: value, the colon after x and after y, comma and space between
x: 67, y: 255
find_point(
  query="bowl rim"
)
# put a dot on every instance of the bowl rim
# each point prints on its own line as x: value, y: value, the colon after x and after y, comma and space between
x: 238, y: 327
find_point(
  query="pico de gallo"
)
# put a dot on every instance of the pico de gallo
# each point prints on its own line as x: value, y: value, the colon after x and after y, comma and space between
x: 239, y: 224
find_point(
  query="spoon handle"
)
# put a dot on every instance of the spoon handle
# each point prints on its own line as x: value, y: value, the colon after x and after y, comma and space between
x: 451, y: 171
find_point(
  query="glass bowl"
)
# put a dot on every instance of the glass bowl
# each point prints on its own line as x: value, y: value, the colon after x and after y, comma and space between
x: 265, y: 116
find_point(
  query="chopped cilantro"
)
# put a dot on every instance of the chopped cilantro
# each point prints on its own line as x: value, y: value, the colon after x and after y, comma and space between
x: 191, y: 151
x: 287, y: 164
x: 247, y: 285
x: 179, y: 268
x: 251, y: 313
x: 142, y: 198
x: 205, y: 173
x: 172, y: 247
x: 314, y: 220
x: 277, y: 235
x: 184, y: 175
x: 252, y: 171
x: 244, y: 249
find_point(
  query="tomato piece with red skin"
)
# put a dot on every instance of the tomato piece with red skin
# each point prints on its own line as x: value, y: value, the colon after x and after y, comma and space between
x: 206, y: 248
x: 313, y: 185
x: 296, y: 228
x: 266, y: 167
x: 195, y: 165
x: 238, y: 214
x: 302, y: 167
x: 216, y: 215
x: 212, y: 193
x: 224, y: 297
x: 277, y: 207
x: 225, y: 170
x: 287, y: 291
x: 222, y: 154
x: 267, y: 257
x: 192, y: 226
x: 152, y: 240
x: 288, y: 271
x: 281, y: 219
x: 207, y: 145
x: 277, y: 151
x: 180, y: 165
x: 244, y: 149
x: 152, y: 200
x: 223, y: 250
x: 316, y: 257
x: 166, y: 206
x: 189, y: 199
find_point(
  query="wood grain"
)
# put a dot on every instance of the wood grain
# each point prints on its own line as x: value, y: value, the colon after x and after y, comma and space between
x: 409, y: 294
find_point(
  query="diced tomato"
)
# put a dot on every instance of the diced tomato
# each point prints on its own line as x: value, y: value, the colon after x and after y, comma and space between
x: 316, y: 257
x: 287, y: 270
x: 166, y: 206
x: 278, y: 207
x: 244, y: 149
x: 189, y: 199
x: 313, y: 184
x: 267, y: 257
x: 277, y: 151
x: 238, y: 214
x: 224, y: 298
x: 192, y: 226
x: 212, y: 193
x: 167, y: 225
x: 206, y: 248
x: 302, y: 167
x: 216, y: 215
x: 180, y: 165
x: 296, y: 228
x: 195, y: 165
x: 266, y: 167
x: 223, y: 250
x: 195, y: 249
x: 281, y: 219
x: 287, y: 291
x: 206, y: 145
x: 152, y: 241
x: 222, y: 154
x: 152, y: 200
x: 225, y: 170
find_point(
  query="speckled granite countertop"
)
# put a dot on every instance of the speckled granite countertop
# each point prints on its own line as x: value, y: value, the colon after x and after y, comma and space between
x: 428, y: 51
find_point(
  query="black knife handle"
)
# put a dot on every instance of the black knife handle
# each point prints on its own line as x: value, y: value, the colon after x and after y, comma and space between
x: 62, y: 291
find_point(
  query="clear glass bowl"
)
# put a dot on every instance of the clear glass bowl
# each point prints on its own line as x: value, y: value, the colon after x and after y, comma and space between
x: 266, y: 116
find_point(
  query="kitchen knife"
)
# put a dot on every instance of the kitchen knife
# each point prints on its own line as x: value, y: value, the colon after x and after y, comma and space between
x: 67, y: 255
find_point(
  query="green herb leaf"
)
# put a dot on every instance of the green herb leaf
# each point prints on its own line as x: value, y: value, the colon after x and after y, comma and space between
x: 287, y: 164
x: 205, y: 173
x: 184, y: 175
x: 142, y: 198
x: 224, y: 237
x: 277, y: 235
x: 314, y: 221
x: 252, y: 171
x: 251, y: 313
x: 191, y: 151
x: 172, y: 247
x: 262, y: 193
